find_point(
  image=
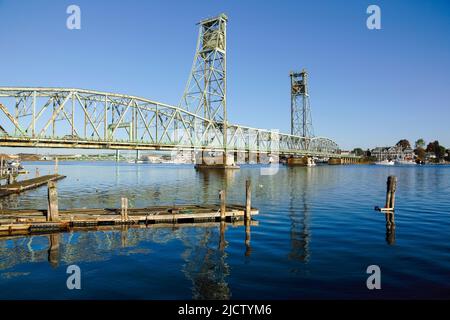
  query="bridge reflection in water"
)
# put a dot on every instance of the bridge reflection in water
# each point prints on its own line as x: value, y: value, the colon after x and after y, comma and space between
x: 204, y: 251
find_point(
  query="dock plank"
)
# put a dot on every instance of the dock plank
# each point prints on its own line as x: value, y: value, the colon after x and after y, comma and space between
x: 30, y: 221
x: 29, y: 184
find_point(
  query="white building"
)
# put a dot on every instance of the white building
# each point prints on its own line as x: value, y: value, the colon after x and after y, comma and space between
x: 392, y: 153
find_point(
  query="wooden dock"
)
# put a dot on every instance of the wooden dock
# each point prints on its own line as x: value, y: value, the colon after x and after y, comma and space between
x: 24, y: 222
x: 20, y: 186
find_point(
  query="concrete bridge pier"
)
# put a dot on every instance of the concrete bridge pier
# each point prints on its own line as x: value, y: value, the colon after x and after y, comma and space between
x: 251, y: 157
x: 224, y: 160
x: 137, y: 155
x: 302, y: 161
x: 345, y: 160
x: 334, y: 161
x: 239, y: 157
x: 263, y: 158
x: 257, y: 157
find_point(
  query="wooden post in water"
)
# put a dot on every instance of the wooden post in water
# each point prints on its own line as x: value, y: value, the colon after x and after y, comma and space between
x: 53, y: 249
x: 248, y: 201
x: 248, y: 248
x: 124, y: 211
x: 56, y: 165
x: 390, y: 228
x: 52, y: 212
x: 222, y: 196
x: 390, y: 192
x: 222, y: 242
x: 37, y: 173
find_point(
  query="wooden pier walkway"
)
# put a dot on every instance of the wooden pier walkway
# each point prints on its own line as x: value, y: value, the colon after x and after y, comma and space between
x: 20, y: 186
x: 23, y: 222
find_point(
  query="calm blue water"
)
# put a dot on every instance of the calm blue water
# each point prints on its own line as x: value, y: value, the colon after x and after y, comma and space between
x: 317, y: 234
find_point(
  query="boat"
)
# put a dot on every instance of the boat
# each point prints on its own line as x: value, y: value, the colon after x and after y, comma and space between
x: 15, y: 164
x: 385, y: 163
x: 405, y: 162
x: 310, y: 162
x: 136, y: 161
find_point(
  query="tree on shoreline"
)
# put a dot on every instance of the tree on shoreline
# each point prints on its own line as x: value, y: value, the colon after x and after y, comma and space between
x: 437, y: 149
x: 420, y: 149
x: 420, y: 143
x: 358, y: 151
x: 420, y: 153
x: 404, y: 143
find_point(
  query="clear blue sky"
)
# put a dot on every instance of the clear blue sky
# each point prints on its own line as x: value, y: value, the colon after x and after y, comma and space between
x: 367, y: 87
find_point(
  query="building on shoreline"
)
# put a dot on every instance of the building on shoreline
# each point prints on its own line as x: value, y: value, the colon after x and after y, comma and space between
x: 393, y: 153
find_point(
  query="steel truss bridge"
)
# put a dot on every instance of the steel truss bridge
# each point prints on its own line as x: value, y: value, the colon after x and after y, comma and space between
x: 86, y: 119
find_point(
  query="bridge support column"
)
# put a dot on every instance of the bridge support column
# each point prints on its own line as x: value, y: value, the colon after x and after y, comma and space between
x: 117, y: 155
x: 263, y: 158
x: 301, y: 162
x: 239, y: 157
x: 335, y: 161
x: 204, y: 160
x: 137, y: 155
x: 259, y: 157
x: 253, y: 157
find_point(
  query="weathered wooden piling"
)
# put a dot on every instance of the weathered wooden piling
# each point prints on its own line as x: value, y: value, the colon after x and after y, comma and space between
x: 390, y: 192
x: 248, y: 248
x: 390, y: 227
x: 124, y: 209
x: 10, y: 179
x: 53, y: 249
x: 52, y: 212
x: 37, y: 173
x: 222, y: 197
x: 248, y: 200
x: 1, y: 167
x: 222, y: 243
x: 56, y: 165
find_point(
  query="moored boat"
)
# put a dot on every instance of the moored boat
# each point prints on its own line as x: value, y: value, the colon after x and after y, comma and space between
x: 310, y: 162
x: 405, y: 162
x: 385, y: 163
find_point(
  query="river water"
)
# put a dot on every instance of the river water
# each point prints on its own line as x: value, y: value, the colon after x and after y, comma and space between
x: 316, y: 234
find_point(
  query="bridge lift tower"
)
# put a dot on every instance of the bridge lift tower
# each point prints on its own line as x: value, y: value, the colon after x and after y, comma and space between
x: 205, y: 92
x: 301, y: 122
